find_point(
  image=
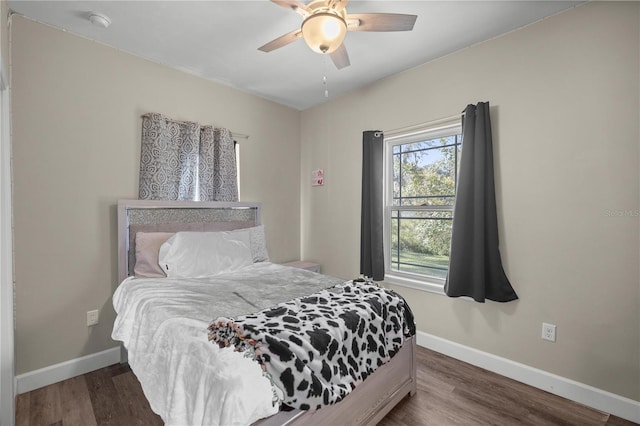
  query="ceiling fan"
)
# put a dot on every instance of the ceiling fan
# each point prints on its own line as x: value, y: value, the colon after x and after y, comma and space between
x: 326, y: 23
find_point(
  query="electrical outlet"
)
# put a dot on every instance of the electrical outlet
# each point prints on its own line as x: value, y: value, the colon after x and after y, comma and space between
x: 92, y: 317
x: 549, y: 332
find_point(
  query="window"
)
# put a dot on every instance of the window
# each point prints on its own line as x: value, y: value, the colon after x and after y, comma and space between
x: 421, y: 178
x: 236, y: 149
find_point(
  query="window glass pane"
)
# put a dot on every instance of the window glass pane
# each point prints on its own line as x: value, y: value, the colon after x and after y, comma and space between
x: 422, y: 145
x: 420, y: 242
x: 397, y: 194
x: 424, y: 173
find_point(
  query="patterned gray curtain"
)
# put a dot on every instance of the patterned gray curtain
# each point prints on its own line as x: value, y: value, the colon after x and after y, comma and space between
x: 217, y: 169
x: 168, y: 159
x: 181, y: 160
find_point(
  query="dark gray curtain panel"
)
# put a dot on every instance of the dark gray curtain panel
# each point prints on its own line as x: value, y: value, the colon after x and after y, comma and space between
x: 371, y: 225
x: 475, y: 267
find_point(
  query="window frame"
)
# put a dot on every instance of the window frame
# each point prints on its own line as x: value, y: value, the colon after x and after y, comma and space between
x: 434, y: 130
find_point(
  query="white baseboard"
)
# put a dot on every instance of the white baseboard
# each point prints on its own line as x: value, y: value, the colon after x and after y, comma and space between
x: 65, y: 370
x: 561, y: 386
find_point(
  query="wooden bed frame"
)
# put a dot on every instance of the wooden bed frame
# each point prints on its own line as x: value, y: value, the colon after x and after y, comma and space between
x: 366, y: 405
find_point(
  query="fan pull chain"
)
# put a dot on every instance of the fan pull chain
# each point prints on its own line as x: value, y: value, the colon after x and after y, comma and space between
x: 325, y: 65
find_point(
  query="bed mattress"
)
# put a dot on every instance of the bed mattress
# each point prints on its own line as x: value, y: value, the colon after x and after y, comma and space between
x: 163, y: 322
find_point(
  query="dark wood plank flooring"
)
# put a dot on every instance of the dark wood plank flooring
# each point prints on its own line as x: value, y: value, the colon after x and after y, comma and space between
x: 450, y: 392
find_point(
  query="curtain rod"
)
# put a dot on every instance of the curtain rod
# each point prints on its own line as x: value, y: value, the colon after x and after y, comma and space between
x: 239, y: 135
x: 234, y: 134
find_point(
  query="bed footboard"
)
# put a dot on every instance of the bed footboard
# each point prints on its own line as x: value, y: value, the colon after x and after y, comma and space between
x: 368, y: 403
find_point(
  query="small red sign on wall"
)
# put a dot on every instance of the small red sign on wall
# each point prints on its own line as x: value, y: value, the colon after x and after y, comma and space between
x: 317, y: 177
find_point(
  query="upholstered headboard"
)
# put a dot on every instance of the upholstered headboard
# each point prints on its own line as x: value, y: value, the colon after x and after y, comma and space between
x: 173, y: 216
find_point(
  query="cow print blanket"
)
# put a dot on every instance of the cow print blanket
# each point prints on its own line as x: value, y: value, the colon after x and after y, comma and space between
x: 316, y: 349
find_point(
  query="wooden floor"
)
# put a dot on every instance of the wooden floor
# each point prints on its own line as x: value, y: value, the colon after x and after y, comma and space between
x: 450, y: 392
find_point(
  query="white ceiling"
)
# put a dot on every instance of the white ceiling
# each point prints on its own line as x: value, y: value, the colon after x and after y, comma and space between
x: 218, y: 40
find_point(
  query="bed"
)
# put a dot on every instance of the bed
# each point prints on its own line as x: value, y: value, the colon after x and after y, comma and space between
x: 163, y: 322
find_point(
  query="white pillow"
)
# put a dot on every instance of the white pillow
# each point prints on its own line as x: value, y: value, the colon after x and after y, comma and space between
x: 204, y: 254
x: 258, y: 243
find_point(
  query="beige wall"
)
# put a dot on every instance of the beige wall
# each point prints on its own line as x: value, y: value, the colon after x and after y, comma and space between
x: 4, y: 35
x: 6, y: 275
x: 565, y: 104
x: 76, y: 141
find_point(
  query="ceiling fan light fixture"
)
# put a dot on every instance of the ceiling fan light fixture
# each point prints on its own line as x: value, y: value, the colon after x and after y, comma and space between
x: 324, y: 31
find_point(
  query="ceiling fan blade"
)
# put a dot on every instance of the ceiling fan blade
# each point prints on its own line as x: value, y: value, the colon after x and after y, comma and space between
x: 340, y: 57
x: 294, y: 5
x: 380, y: 22
x: 282, y: 41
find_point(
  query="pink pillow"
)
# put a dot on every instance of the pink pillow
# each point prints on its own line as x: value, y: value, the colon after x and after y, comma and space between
x: 147, y: 248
